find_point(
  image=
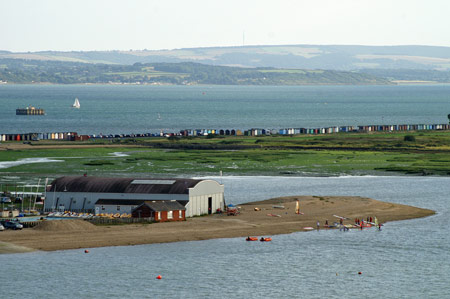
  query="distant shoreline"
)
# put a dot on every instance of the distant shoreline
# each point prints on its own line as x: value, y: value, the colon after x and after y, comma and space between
x: 204, y: 84
x: 394, y: 82
x: 272, y: 217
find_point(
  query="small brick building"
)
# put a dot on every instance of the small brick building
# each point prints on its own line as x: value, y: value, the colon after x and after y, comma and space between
x: 160, y: 211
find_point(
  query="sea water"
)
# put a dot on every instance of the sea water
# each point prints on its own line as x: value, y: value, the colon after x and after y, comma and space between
x: 407, y: 259
x: 125, y: 109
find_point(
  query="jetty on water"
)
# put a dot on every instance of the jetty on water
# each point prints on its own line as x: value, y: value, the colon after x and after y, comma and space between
x: 30, y: 110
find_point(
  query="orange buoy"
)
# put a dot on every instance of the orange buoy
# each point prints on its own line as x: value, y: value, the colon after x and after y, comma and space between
x: 86, y: 251
x: 158, y: 277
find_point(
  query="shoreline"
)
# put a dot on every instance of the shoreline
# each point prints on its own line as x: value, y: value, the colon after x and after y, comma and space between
x: 267, y: 220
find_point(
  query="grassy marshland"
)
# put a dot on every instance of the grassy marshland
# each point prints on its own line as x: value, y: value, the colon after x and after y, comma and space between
x: 422, y: 153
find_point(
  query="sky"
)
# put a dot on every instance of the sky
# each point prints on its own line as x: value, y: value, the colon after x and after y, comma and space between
x: 84, y: 25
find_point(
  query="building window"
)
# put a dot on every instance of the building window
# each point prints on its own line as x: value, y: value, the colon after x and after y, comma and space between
x: 180, y: 214
x: 103, y: 208
x: 74, y: 201
x: 118, y: 208
x: 169, y: 214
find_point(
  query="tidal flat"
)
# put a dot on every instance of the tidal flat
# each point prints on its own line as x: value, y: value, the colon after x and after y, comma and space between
x: 411, y: 153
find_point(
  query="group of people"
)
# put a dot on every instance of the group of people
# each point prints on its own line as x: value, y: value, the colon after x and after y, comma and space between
x: 359, y: 222
x: 369, y: 220
x: 327, y: 225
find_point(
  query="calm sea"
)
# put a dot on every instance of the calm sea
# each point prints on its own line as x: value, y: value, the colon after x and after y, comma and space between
x: 115, y: 109
x: 407, y: 259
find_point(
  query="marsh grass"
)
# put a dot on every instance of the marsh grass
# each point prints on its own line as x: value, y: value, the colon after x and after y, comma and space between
x: 321, y: 155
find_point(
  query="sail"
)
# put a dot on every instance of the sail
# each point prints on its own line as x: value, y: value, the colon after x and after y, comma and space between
x: 297, y: 207
x: 76, y: 103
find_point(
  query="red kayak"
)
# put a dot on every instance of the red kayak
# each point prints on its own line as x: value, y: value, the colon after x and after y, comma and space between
x: 266, y: 239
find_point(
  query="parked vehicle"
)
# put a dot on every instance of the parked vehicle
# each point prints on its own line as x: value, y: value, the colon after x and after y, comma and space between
x: 2, y: 228
x: 6, y: 200
x: 13, y: 225
x: 18, y: 200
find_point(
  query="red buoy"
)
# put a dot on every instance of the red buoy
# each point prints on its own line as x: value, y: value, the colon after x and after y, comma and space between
x: 86, y: 251
x: 359, y: 273
x: 158, y: 277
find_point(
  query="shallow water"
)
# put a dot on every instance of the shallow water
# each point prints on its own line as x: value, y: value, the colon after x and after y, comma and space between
x: 407, y: 259
x: 7, y: 164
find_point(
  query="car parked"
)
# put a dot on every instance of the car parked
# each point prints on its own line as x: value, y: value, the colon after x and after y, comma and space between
x: 2, y: 228
x: 6, y: 199
x: 13, y: 225
x: 18, y: 200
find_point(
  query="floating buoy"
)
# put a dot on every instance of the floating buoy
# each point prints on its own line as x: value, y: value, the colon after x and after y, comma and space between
x: 158, y: 277
x: 359, y: 273
x: 86, y: 251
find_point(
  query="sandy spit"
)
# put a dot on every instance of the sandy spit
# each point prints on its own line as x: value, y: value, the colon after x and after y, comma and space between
x: 272, y: 217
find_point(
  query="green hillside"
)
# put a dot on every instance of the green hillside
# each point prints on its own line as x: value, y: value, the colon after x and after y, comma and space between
x: 329, y: 57
x: 63, y: 72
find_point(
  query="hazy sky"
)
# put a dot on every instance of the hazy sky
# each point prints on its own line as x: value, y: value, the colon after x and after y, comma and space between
x: 34, y: 25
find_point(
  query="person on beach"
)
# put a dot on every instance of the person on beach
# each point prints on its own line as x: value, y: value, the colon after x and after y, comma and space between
x: 326, y: 223
x: 318, y: 225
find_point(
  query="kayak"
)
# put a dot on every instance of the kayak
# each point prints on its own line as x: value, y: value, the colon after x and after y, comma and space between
x: 251, y: 239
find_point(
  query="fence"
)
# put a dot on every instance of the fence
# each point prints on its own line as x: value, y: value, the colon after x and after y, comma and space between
x: 115, y: 221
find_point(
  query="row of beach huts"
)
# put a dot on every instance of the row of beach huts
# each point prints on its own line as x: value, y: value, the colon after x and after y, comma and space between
x: 73, y: 136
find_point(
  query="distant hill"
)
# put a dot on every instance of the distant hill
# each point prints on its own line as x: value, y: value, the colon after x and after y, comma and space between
x: 187, y: 73
x: 328, y: 57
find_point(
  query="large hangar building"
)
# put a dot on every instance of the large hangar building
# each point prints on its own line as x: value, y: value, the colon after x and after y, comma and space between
x: 81, y: 193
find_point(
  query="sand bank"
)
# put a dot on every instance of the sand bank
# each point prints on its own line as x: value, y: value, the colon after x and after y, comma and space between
x: 72, y: 234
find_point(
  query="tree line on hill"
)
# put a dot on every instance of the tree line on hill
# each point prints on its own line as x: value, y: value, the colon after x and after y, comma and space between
x: 61, y: 72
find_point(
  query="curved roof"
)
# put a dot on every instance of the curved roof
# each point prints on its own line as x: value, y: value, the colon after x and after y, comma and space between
x: 122, y: 185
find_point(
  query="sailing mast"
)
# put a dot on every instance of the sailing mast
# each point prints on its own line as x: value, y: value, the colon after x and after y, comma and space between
x: 76, y: 103
x: 35, y: 196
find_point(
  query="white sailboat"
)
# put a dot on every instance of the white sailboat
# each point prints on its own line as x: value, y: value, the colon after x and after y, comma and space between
x: 76, y: 104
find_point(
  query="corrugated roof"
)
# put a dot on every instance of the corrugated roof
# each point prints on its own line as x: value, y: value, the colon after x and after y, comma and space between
x: 163, y: 205
x: 120, y: 185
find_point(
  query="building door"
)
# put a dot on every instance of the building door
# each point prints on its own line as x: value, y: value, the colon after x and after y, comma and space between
x: 209, y: 205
